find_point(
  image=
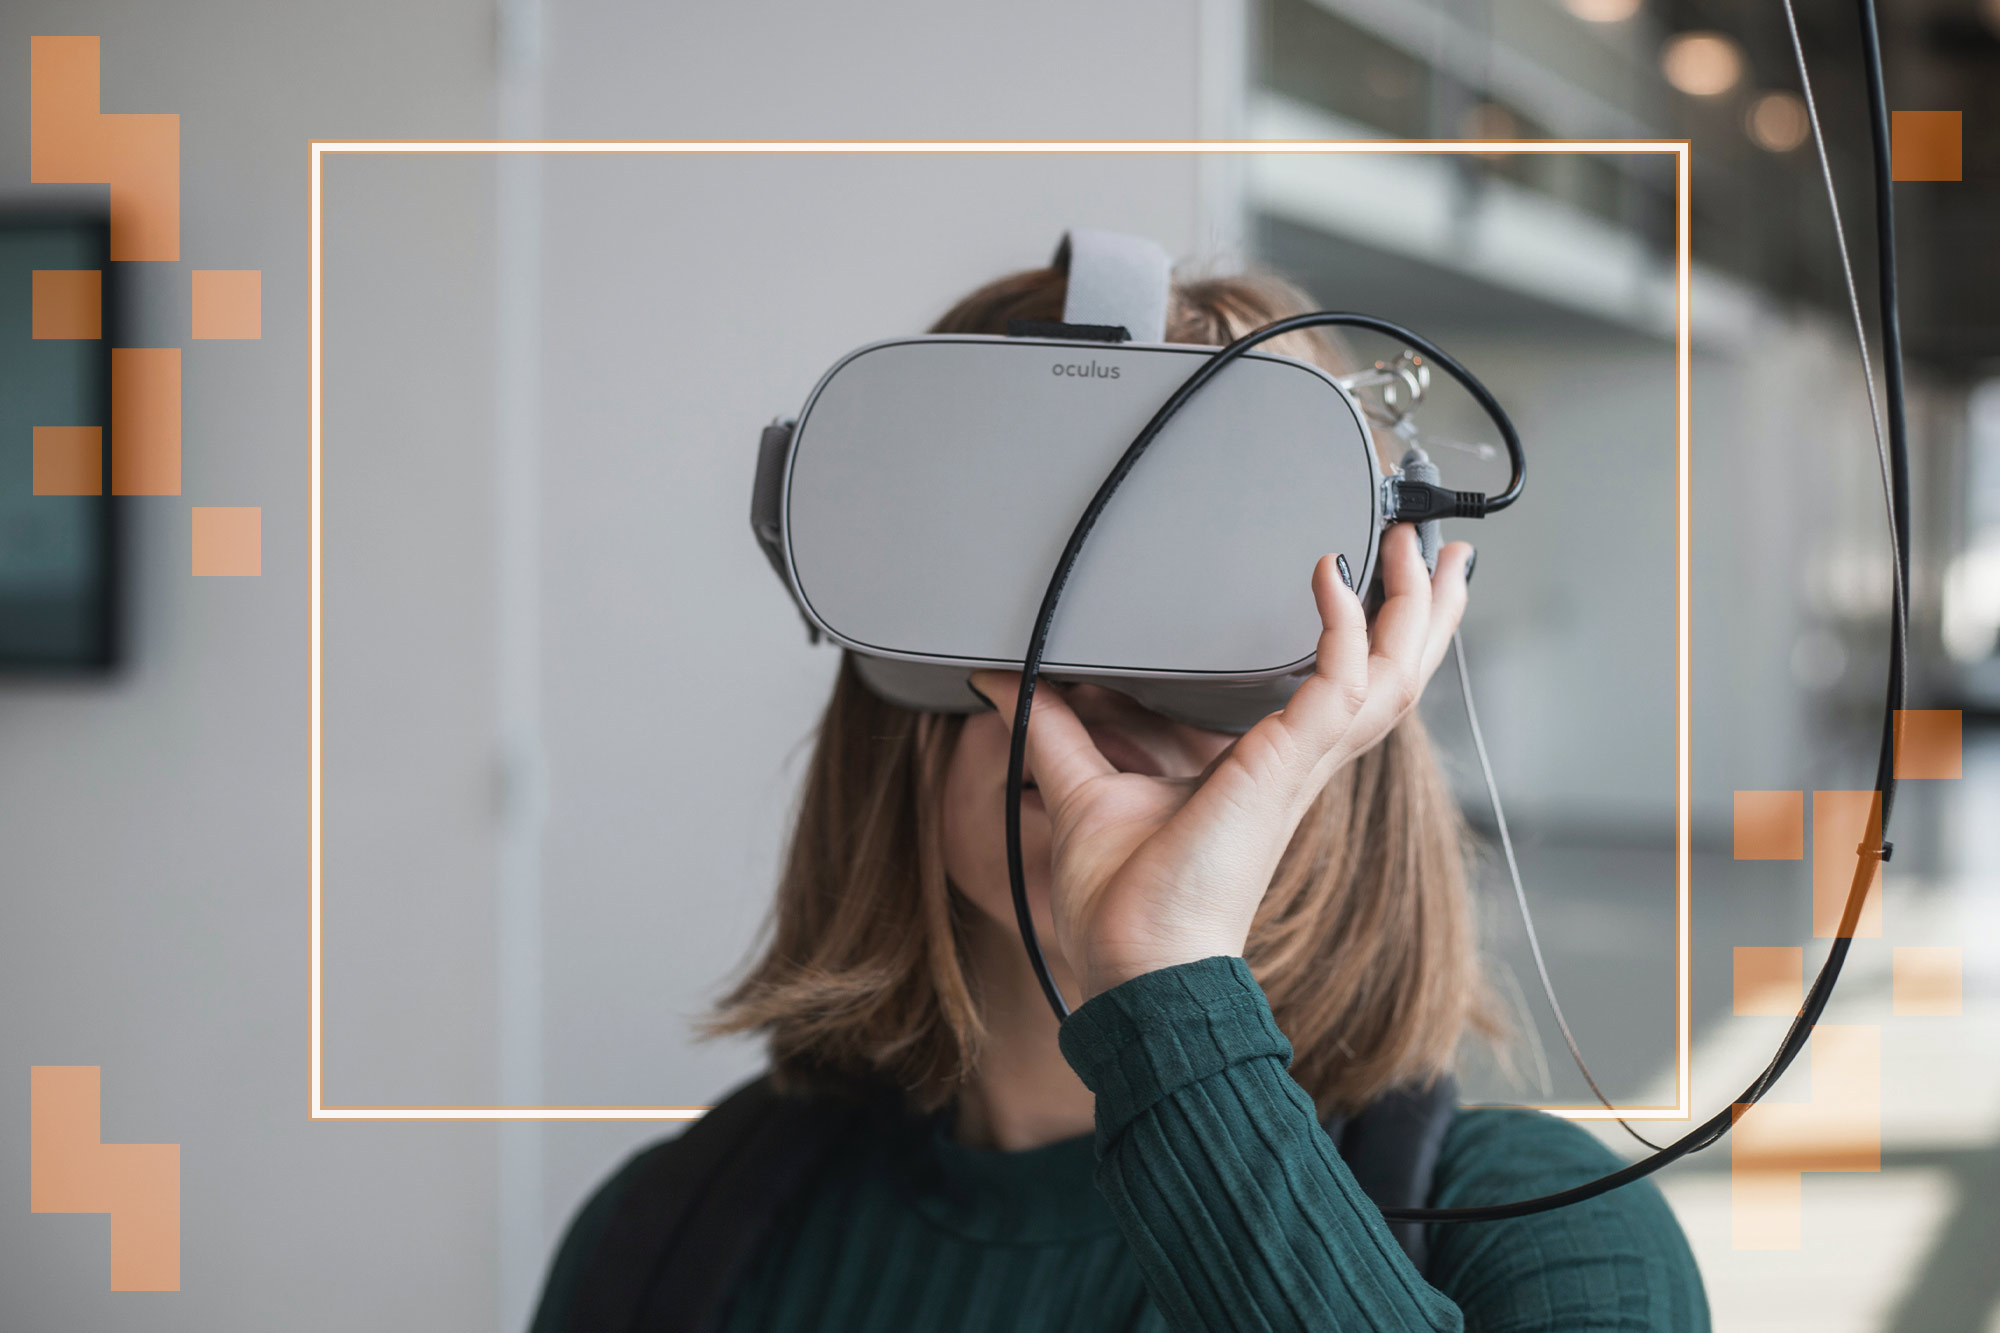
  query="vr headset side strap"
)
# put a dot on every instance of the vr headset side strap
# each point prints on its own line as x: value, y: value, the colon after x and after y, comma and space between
x: 766, y: 493
x: 766, y: 523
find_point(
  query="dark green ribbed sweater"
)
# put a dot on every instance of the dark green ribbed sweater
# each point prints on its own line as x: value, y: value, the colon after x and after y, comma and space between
x: 1210, y: 1199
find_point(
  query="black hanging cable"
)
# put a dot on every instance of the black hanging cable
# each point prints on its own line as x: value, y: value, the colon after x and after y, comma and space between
x: 1869, y: 856
x: 1892, y: 370
x: 1895, y: 479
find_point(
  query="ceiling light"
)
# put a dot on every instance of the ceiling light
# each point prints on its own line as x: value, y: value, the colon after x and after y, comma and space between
x: 1606, y: 11
x: 1702, y: 64
x: 1777, y: 122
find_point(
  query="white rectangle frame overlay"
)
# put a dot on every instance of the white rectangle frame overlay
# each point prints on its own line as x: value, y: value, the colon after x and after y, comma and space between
x: 1679, y: 148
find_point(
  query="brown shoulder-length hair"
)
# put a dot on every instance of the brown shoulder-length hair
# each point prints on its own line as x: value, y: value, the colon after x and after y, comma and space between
x: 1365, y: 943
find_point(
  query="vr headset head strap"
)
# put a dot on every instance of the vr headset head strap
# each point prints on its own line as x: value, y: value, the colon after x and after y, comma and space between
x: 1116, y: 279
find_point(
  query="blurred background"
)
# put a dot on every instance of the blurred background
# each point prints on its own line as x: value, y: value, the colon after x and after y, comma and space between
x: 566, y: 706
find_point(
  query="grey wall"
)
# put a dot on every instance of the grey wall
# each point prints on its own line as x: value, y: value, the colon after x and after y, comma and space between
x: 154, y: 826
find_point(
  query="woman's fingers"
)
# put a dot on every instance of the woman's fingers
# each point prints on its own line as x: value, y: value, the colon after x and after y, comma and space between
x: 1402, y: 624
x: 1365, y: 680
x: 1061, y: 755
x: 1319, y: 709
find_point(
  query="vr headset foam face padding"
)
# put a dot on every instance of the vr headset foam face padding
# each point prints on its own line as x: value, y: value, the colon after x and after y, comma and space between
x: 919, y: 504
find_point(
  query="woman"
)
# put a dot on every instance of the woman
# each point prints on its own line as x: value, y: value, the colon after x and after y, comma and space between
x: 1263, y: 936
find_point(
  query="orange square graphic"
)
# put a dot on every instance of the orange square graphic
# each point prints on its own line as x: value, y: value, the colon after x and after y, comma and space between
x: 1770, y: 825
x: 1770, y: 982
x: 1844, y: 821
x: 1930, y: 743
x: 228, y: 541
x: 145, y: 421
x: 69, y: 303
x: 71, y: 1170
x: 1774, y: 1143
x: 1927, y: 145
x: 69, y: 460
x: 73, y: 142
x: 1927, y: 983
x: 228, y: 303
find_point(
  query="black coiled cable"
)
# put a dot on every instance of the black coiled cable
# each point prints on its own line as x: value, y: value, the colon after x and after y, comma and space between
x: 1031, y: 665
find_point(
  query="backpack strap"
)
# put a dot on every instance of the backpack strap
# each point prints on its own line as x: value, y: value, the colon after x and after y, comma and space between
x: 697, y: 1208
x: 1392, y: 1148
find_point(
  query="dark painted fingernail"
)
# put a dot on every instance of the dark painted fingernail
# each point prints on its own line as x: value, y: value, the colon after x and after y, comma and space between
x: 1346, y: 574
x: 1471, y: 562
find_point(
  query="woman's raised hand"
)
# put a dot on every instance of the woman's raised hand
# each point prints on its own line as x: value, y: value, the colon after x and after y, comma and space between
x: 1150, y: 872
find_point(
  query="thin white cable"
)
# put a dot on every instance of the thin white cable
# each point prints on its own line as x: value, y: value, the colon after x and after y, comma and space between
x: 1514, y: 874
x: 1882, y: 457
x: 1853, y: 294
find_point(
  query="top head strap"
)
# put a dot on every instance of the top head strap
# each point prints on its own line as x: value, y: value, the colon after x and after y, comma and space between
x: 1116, y: 279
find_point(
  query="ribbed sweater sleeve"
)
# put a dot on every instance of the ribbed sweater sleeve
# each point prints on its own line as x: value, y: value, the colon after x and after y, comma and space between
x: 1234, y: 1202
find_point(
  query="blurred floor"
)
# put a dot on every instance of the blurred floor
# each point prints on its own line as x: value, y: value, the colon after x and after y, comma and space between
x: 1915, y: 1246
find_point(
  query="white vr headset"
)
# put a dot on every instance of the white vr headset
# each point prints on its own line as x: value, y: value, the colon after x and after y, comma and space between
x: 918, y: 503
